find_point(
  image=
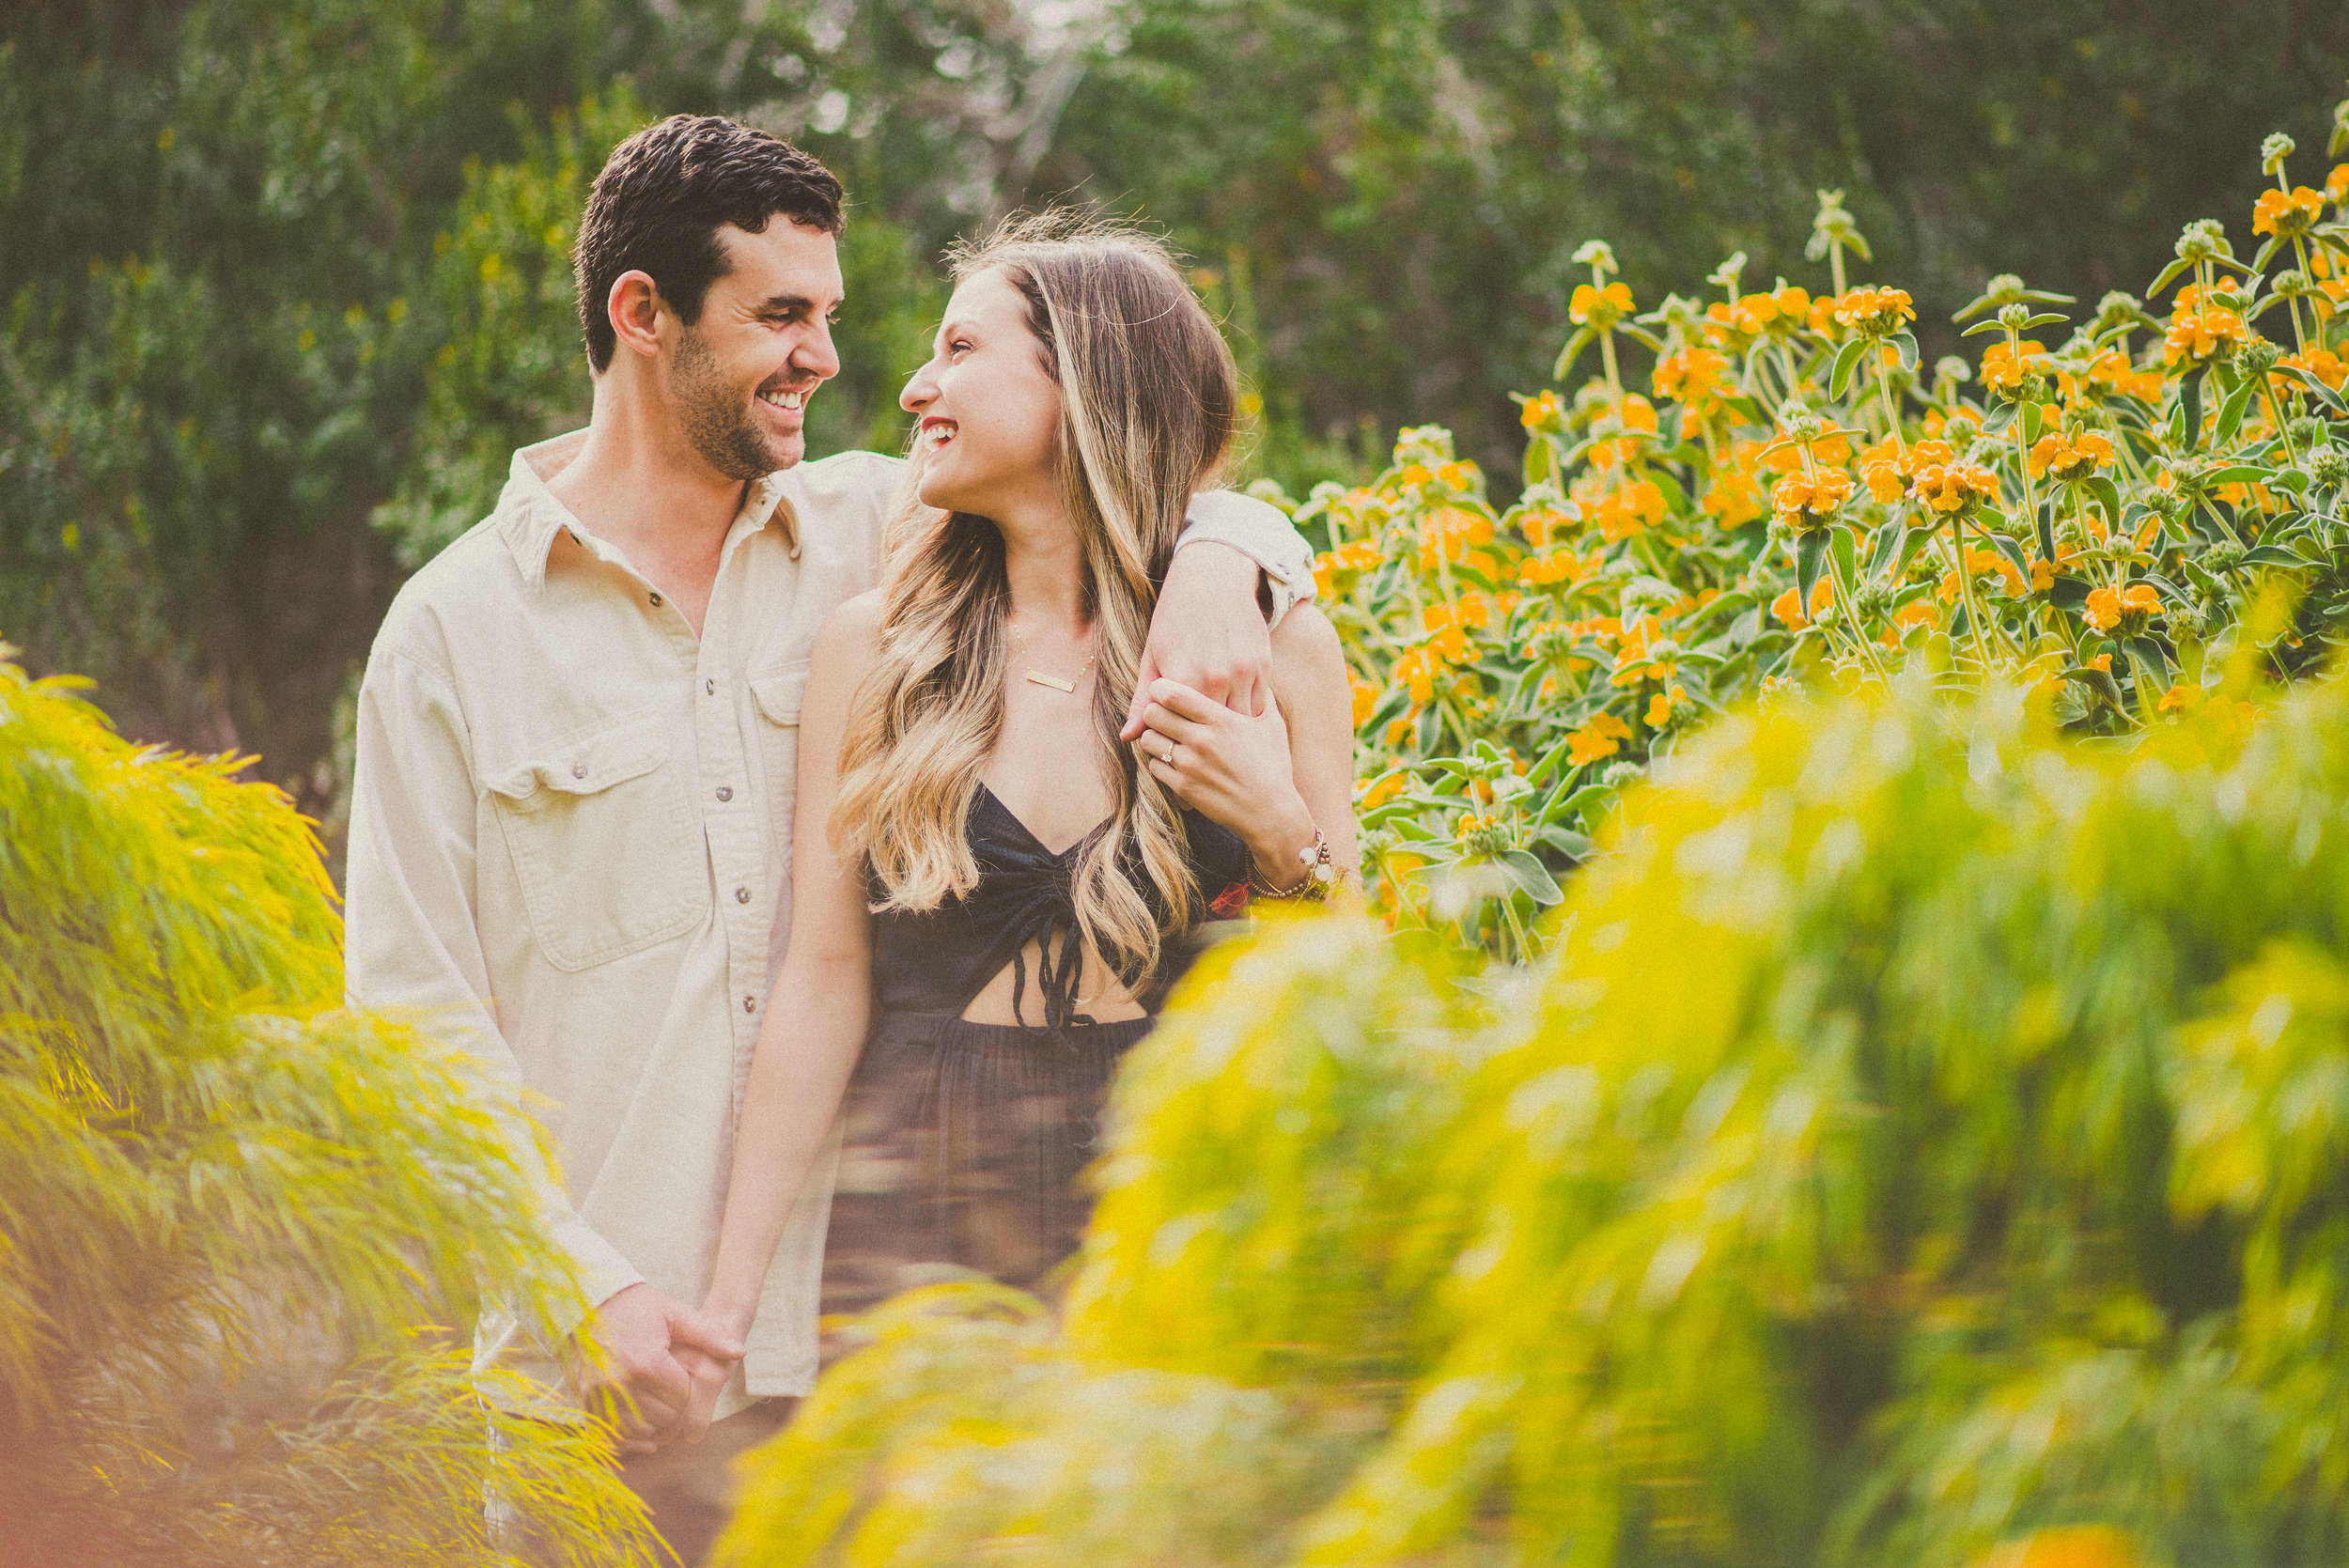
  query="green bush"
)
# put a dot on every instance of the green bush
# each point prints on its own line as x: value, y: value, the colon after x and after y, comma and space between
x: 229, y: 1210
x: 1924, y: 1135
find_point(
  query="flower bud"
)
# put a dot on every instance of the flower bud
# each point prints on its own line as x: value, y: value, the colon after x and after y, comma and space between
x: 2015, y: 318
x: 2289, y: 284
x: 2117, y: 309
x: 2273, y: 152
x: 1951, y: 369
x: 2224, y: 556
x: 2328, y: 466
x: 2305, y: 433
x: 2258, y: 357
x: 1621, y: 773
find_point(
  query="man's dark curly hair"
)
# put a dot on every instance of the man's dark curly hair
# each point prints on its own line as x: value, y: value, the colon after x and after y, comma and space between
x: 662, y: 198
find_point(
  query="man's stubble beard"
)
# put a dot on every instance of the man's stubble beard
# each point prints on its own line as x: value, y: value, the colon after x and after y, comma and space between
x: 717, y: 425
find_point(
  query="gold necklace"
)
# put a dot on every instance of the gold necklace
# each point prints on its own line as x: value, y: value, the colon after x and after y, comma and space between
x: 1037, y: 675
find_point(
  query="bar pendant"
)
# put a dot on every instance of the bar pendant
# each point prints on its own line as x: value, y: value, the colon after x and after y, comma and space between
x: 1053, y: 681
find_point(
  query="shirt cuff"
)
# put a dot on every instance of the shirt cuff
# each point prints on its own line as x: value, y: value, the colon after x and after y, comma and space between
x: 602, y: 1272
x: 1260, y: 531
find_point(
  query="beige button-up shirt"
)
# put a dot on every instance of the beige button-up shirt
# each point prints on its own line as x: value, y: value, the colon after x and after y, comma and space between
x: 570, y: 842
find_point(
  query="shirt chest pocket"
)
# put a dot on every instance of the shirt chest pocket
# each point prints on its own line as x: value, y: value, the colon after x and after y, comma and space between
x: 608, y: 857
x: 778, y: 692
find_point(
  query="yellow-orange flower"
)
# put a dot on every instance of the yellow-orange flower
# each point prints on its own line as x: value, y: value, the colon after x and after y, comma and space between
x: 2004, y: 366
x: 1788, y: 608
x: 1336, y: 569
x: 1365, y: 697
x: 2287, y: 213
x: 1909, y: 616
x: 2337, y: 184
x: 1950, y: 488
x: 1601, y: 307
x: 2128, y: 610
x: 1603, y: 737
x: 2070, y: 457
x: 1450, y: 533
x: 1659, y: 708
x: 1805, y: 499
x: 2198, y: 336
x: 1691, y: 375
x: 2323, y: 363
x: 1628, y: 508
x: 1875, y: 312
x: 2180, y: 699
x: 1543, y: 411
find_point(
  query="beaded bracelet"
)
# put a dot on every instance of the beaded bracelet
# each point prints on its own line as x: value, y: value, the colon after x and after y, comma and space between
x: 1319, y: 882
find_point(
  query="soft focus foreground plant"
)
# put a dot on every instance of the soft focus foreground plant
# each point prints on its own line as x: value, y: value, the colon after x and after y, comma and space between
x: 227, y: 1205
x: 1925, y: 1136
x: 1790, y: 496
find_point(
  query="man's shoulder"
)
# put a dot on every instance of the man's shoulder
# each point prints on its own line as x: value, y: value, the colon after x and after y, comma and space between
x: 473, y: 576
x: 868, y: 479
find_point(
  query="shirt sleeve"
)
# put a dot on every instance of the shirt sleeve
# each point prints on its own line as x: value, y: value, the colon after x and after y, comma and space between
x: 1258, y: 530
x: 411, y: 939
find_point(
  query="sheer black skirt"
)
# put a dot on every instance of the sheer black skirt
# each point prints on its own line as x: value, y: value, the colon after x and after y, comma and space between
x: 966, y: 1144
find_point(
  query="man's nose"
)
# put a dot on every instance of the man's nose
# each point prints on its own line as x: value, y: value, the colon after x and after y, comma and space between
x: 817, y: 354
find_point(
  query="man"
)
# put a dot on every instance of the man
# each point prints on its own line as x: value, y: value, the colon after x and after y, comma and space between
x: 578, y: 735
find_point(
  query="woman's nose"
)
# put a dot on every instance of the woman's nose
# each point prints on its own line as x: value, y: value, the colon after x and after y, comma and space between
x: 919, y: 390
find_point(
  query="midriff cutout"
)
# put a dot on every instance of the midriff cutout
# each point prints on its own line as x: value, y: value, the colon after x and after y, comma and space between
x: 1101, y: 996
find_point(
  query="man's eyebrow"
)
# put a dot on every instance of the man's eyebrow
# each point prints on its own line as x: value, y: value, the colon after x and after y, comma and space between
x: 795, y: 301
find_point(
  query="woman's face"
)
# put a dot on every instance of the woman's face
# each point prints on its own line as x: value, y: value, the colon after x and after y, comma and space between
x: 989, y: 417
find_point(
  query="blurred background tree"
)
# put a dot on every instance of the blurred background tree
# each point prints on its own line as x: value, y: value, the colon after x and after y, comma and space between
x: 285, y: 280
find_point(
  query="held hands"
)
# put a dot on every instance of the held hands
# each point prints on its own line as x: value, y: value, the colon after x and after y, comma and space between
x: 661, y: 1367
x: 1208, y: 633
x: 1233, y: 769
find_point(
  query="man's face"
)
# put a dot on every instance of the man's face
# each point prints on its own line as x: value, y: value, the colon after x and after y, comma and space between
x: 740, y: 377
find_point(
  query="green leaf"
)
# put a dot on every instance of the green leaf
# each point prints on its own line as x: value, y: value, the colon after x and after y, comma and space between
x: 1906, y: 344
x: 2147, y: 654
x: 2231, y: 413
x: 1531, y: 876
x: 1810, y: 559
x: 2190, y: 416
x: 2028, y: 412
x: 1846, y: 360
x: 1572, y: 351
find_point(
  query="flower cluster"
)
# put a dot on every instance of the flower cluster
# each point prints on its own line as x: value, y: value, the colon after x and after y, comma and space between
x: 1786, y: 493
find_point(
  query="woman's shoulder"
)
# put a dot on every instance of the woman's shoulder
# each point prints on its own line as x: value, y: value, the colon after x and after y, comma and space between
x: 855, y: 626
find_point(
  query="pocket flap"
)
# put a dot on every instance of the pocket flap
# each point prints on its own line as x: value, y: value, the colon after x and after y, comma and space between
x: 589, y: 763
x: 780, y: 691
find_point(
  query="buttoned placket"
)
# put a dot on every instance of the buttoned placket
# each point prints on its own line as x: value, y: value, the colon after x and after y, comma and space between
x: 725, y: 728
x: 724, y: 737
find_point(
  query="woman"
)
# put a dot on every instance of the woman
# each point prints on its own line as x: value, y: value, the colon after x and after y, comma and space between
x: 992, y: 892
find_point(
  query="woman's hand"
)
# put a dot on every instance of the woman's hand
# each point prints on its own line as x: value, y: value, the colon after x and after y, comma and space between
x: 1232, y: 769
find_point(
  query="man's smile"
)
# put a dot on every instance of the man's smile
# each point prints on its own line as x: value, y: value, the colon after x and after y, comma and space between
x: 792, y: 401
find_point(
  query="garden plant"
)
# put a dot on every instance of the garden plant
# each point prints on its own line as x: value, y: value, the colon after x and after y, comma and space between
x: 231, y: 1210
x: 1779, y: 492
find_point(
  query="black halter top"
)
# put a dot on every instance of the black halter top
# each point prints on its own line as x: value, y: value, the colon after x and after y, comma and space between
x: 936, y: 961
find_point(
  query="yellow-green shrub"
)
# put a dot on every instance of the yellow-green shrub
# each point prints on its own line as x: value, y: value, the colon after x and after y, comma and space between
x: 229, y: 1210
x: 1924, y: 1134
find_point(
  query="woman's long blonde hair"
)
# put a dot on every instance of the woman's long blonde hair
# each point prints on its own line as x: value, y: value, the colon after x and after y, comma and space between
x: 1149, y: 407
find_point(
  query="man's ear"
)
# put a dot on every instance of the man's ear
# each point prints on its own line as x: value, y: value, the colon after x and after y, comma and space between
x: 636, y: 308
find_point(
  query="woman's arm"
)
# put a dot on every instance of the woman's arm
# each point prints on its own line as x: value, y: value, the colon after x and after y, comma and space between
x: 820, y: 1007
x: 1272, y: 780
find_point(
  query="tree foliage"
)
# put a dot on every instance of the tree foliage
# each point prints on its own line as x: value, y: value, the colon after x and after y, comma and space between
x: 229, y: 1210
x: 1924, y: 1135
x: 228, y: 297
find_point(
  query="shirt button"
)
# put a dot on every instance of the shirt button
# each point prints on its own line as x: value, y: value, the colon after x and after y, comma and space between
x: 742, y: 896
x: 724, y: 793
x: 655, y: 602
x: 710, y: 688
x: 579, y: 770
x: 750, y: 1004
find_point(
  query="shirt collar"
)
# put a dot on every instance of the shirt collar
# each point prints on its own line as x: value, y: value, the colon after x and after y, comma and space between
x: 533, y: 521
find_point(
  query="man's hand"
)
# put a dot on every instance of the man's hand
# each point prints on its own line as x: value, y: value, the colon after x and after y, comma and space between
x: 1208, y: 633
x: 641, y: 1383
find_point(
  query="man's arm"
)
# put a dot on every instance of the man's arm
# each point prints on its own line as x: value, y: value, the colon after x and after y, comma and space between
x: 412, y: 942
x: 1208, y: 622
